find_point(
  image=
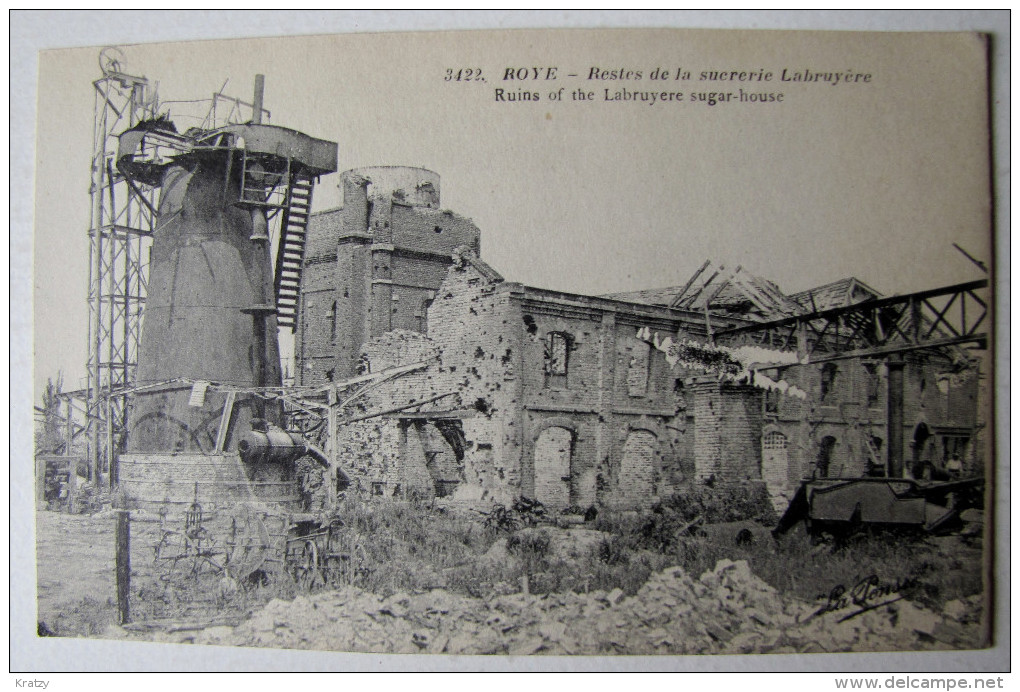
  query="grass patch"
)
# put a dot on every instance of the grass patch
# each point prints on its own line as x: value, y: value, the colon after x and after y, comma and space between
x: 89, y: 618
x: 413, y: 547
x: 407, y: 546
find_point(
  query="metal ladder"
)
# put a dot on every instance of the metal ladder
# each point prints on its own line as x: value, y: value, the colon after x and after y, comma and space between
x: 290, y: 254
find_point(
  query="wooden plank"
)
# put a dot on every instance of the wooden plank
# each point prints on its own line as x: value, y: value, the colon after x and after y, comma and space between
x: 413, y: 404
x: 332, y: 449
x: 756, y: 296
x: 221, y: 434
x: 679, y: 296
x: 72, y: 485
x: 123, y: 565
x: 457, y: 414
x: 722, y: 285
x: 694, y: 298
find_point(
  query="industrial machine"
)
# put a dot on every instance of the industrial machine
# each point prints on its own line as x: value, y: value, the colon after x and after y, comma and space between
x: 202, y: 408
x: 845, y: 504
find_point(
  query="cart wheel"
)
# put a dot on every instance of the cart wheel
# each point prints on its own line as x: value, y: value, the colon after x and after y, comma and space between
x: 362, y: 558
x: 354, y: 565
x: 248, y: 543
x: 332, y: 558
x: 306, y: 567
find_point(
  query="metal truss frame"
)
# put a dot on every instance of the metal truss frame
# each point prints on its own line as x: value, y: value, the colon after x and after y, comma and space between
x: 122, y: 219
x: 121, y: 226
x: 936, y: 318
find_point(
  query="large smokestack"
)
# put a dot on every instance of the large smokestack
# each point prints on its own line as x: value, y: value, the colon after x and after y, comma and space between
x: 260, y: 87
x: 209, y: 346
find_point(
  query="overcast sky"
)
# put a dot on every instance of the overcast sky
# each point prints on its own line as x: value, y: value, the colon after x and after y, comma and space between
x: 872, y: 180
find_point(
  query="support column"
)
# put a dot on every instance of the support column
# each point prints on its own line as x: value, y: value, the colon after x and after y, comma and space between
x: 122, y: 558
x: 706, y: 402
x: 263, y: 306
x: 332, y: 448
x: 586, y: 486
x: 382, y: 288
x: 894, y: 417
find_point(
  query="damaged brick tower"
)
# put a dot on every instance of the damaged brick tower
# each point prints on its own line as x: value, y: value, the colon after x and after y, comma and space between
x: 373, y: 266
x: 199, y: 424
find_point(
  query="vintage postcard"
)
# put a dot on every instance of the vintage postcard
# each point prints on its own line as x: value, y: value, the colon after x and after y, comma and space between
x: 532, y: 343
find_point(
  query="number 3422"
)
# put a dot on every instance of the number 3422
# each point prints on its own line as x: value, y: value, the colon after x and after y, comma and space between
x: 467, y: 74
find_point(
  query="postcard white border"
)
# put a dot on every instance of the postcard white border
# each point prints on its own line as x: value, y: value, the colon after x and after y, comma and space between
x: 32, y: 31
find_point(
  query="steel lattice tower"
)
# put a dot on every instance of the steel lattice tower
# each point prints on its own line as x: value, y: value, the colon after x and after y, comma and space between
x: 120, y: 234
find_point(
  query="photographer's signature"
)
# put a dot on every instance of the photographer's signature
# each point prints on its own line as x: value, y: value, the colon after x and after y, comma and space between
x: 867, y: 594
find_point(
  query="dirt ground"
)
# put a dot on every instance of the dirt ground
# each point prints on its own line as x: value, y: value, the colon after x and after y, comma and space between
x: 725, y: 610
x: 75, y: 565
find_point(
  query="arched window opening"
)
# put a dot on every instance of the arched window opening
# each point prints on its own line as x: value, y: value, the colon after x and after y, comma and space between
x: 824, y: 462
x: 828, y: 385
x: 775, y: 459
x: 557, y: 357
x: 872, y: 385
x: 637, y: 369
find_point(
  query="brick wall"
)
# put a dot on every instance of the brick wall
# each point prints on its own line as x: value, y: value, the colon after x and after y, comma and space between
x: 353, y: 296
x: 416, y: 228
x: 627, y: 427
x: 553, y: 451
x: 469, y: 354
x: 391, y: 249
x: 161, y: 482
x: 574, y: 401
x: 853, y: 413
x: 727, y: 430
x: 415, y: 478
x: 678, y: 464
x: 403, y: 347
x: 639, y: 468
x: 374, y: 451
x: 369, y: 452
x: 580, y: 390
x: 478, y: 333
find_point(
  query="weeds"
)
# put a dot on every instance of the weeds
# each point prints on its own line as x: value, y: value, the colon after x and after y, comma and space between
x: 524, y: 512
x: 404, y: 546
x: 716, y: 503
x: 89, y: 618
x: 532, y: 546
x: 408, y: 546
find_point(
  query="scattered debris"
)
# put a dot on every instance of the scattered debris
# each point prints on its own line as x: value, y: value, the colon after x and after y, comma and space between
x: 727, y: 610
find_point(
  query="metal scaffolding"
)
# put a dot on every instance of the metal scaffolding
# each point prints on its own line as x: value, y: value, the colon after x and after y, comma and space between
x: 120, y: 234
x: 121, y: 225
x: 880, y: 328
x: 936, y: 318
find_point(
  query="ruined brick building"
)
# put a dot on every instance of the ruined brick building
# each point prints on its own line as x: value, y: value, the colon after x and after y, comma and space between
x: 839, y: 427
x: 373, y: 266
x: 566, y: 398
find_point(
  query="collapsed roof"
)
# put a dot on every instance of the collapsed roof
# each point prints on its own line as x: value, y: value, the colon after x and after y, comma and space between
x: 739, y: 293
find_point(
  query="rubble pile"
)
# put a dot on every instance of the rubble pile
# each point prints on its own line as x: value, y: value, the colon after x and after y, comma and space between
x: 726, y: 611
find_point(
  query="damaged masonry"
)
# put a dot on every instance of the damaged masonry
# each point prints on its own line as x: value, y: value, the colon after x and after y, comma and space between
x: 609, y: 401
x: 455, y: 462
